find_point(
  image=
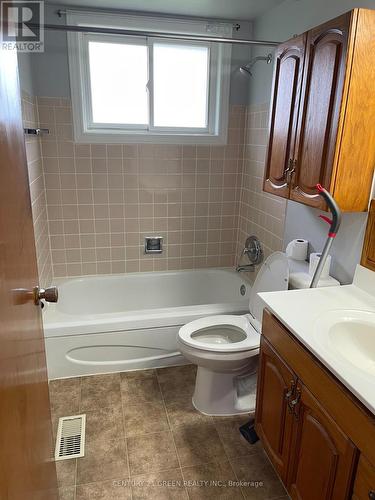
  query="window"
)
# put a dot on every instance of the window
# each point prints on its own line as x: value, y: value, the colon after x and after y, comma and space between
x: 180, y: 85
x: 130, y: 88
x: 118, y: 83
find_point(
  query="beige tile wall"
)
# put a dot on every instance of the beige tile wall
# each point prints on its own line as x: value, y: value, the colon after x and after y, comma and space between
x: 260, y: 213
x: 94, y: 204
x: 37, y: 191
x: 102, y: 200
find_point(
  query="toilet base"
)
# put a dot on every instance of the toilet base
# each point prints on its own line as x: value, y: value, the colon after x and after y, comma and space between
x: 220, y: 394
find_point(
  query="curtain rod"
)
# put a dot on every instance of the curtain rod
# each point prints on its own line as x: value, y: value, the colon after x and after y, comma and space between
x: 153, y: 34
x: 99, y: 10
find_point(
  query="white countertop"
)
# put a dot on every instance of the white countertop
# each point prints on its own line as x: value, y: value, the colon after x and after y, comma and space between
x: 299, y: 311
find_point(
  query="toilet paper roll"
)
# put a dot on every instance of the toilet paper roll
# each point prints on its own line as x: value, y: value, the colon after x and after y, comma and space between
x: 297, y: 249
x: 314, y: 260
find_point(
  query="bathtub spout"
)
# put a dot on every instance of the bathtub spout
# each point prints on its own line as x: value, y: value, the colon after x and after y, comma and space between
x: 245, y: 268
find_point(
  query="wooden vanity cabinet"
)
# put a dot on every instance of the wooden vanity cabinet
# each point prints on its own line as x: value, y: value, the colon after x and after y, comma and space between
x: 312, y: 429
x: 313, y: 457
x: 323, y: 103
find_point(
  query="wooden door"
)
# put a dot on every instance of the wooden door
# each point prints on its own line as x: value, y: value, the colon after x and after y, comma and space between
x: 322, y: 456
x: 27, y: 471
x: 273, y: 420
x: 289, y: 60
x: 323, y: 81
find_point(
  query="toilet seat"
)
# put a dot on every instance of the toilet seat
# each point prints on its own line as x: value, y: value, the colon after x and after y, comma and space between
x: 223, y: 333
x: 229, y: 333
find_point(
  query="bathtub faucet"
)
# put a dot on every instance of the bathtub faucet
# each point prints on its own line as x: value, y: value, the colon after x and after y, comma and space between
x: 254, y: 252
x: 245, y: 268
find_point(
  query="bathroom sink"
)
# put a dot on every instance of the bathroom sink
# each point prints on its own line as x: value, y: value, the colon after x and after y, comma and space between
x: 349, y: 334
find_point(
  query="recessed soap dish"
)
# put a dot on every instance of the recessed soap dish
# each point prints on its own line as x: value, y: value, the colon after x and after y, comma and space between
x: 153, y: 244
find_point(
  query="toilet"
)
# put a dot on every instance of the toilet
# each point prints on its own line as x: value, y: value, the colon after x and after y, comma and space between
x: 225, y: 348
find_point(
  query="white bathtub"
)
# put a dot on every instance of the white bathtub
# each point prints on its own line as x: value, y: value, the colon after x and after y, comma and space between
x: 125, y: 322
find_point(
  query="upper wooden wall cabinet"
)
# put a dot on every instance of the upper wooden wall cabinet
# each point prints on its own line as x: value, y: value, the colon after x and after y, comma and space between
x: 323, y: 114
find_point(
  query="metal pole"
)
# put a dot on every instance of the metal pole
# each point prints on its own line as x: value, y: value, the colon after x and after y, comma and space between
x: 333, y: 229
x: 153, y: 34
x: 322, y: 261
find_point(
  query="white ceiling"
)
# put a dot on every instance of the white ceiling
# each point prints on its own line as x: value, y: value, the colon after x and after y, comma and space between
x: 220, y: 9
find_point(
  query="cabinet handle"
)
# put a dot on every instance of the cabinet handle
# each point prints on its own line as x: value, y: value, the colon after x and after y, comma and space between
x: 288, y: 395
x: 371, y: 494
x: 286, y: 171
x: 290, y: 171
x: 293, y: 404
x: 290, y: 391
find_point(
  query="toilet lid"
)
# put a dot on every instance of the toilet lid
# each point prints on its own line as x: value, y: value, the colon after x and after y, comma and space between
x: 273, y: 276
x: 224, y: 333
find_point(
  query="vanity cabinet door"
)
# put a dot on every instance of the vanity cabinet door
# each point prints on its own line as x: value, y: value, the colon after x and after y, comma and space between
x: 364, y: 486
x: 323, y: 83
x: 289, y: 60
x: 273, y: 420
x: 322, y: 456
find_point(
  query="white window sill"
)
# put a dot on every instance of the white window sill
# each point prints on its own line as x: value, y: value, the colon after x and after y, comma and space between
x: 163, y: 138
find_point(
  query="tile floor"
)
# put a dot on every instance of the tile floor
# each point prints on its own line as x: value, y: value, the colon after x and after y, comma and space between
x: 144, y: 440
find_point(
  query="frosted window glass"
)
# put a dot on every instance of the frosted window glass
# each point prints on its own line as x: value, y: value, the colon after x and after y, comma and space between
x: 180, y: 85
x: 119, y: 75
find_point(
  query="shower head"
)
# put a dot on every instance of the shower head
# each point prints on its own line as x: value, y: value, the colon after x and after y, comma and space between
x: 247, y: 68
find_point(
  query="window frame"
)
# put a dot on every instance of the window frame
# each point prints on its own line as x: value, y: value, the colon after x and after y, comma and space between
x: 87, y: 131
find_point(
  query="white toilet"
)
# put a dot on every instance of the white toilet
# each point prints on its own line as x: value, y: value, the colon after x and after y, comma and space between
x: 226, y: 348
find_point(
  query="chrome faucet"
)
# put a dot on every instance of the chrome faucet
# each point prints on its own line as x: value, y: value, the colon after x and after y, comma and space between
x: 253, y: 251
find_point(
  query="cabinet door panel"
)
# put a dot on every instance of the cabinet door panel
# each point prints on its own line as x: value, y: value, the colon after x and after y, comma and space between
x: 364, y: 486
x: 319, y: 111
x: 273, y: 421
x: 323, y: 457
x: 289, y: 59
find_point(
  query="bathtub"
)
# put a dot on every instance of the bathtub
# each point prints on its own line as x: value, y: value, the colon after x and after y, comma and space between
x: 112, y: 323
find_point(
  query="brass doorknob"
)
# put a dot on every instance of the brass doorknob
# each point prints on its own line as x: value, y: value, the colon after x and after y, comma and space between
x: 49, y: 294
